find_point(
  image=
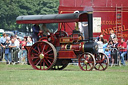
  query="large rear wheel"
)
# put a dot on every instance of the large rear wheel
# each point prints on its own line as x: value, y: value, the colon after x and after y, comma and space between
x: 42, y: 55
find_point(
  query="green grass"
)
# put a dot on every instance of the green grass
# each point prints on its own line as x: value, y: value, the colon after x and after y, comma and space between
x: 71, y: 75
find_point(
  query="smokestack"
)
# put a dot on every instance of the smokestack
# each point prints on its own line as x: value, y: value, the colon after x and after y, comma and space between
x: 90, y: 25
x: 90, y: 22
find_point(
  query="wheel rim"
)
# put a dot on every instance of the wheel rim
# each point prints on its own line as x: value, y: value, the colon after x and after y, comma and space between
x: 102, y: 61
x: 86, y: 61
x: 42, y: 55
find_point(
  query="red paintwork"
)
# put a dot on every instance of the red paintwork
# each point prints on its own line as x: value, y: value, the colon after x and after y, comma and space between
x: 66, y: 54
x: 106, y: 9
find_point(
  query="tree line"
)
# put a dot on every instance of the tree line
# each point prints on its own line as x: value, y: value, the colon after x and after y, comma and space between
x: 10, y: 9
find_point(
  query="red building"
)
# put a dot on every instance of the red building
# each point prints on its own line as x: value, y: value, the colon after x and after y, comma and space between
x: 107, y: 15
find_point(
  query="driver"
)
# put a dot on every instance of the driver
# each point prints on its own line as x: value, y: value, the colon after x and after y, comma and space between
x: 36, y: 30
x: 45, y: 30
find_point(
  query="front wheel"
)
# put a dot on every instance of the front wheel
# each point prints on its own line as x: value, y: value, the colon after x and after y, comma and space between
x: 86, y: 61
x: 102, y: 61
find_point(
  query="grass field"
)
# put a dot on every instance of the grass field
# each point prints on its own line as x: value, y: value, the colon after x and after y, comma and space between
x: 71, y: 75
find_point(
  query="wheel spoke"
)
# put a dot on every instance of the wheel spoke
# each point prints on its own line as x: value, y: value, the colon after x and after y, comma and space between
x: 35, y: 54
x: 50, y: 54
x: 34, y: 50
x: 49, y: 62
x: 34, y: 57
x: 43, y: 65
x: 48, y: 51
x: 38, y: 47
x: 101, y: 65
x: 38, y: 62
x: 46, y: 62
x: 49, y: 57
x: 43, y: 48
x: 86, y: 66
x: 35, y: 61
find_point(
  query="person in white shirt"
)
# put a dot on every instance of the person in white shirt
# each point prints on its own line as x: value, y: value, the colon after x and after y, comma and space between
x: 15, y: 49
x: 17, y: 43
x: 83, y: 28
x: 100, y: 45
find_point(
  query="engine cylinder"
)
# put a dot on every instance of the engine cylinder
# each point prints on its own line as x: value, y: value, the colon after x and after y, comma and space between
x: 91, y: 47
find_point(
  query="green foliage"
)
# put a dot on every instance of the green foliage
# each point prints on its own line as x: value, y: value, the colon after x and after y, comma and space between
x: 10, y: 9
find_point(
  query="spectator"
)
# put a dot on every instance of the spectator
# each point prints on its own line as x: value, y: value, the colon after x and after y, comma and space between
x: 114, y: 51
x: 105, y: 45
x: 13, y: 47
x: 29, y: 41
x: 2, y: 41
x: 108, y: 53
x: 112, y: 35
x: 24, y: 54
x: 97, y: 39
x: 7, y: 52
x: 123, y: 50
x: 17, y: 43
x: 100, y: 45
x: 106, y: 49
x: 110, y: 46
x: 7, y: 37
x: 20, y: 50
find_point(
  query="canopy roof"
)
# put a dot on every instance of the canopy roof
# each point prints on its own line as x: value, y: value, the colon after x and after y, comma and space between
x: 54, y: 18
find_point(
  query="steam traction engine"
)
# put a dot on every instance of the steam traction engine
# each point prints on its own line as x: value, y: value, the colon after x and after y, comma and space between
x: 57, y: 49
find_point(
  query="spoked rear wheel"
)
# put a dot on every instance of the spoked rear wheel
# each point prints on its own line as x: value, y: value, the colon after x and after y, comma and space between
x: 86, y: 61
x: 42, y: 55
x: 102, y: 61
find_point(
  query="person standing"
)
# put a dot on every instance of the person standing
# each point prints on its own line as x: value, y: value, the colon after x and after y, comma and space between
x: 100, y: 45
x: 16, y: 49
x: 7, y: 52
x: 13, y: 47
x: 112, y: 35
x: 29, y: 41
x: 114, y: 51
x: 24, y: 55
x: 2, y: 41
x: 123, y: 50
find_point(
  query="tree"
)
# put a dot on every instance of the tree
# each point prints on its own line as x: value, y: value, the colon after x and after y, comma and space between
x: 10, y: 9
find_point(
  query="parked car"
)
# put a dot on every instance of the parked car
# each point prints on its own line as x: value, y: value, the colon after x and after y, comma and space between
x: 9, y: 33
